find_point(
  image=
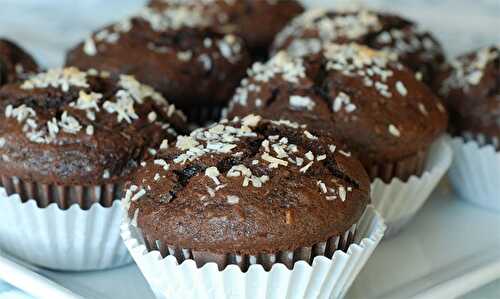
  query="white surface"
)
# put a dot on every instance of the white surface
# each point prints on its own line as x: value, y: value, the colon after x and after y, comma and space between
x: 445, y: 252
x: 24, y: 277
x: 447, y: 248
x: 324, y: 278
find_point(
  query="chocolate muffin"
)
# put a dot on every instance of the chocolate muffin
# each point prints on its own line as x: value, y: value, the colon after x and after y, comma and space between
x: 256, y: 21
x: 68, y: 136
x: 262, y: 191
x: 15, y: 63
x: 470, y: 86
x: 175, y: 52
x: 415, y: 48
x: 360, y: 96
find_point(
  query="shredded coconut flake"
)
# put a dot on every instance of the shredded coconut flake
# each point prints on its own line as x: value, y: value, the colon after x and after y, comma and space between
x: 394, y: 130
x: 233, y: 199
x: 401, y: 88
x: 301, y: 103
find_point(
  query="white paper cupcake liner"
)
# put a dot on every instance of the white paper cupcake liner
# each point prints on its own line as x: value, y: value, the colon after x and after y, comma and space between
x: 475, y: 172
x: 324, y: 278
x: 72, y: 239
x: 399, y: 201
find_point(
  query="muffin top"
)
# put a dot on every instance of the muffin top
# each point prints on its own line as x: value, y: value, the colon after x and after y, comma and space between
x: 173, y: 50
x: 71, y: 127
x: 470, y: 85
x: 15, y: 63
x: 255, y: 186
x: 362, y: 97
x: 256, y: 21
x: 415, y: 48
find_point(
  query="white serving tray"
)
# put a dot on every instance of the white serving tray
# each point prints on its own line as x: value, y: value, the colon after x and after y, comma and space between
x: 447, y: 251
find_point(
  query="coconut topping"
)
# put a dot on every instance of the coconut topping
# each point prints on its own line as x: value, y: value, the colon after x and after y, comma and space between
x: 356, y: 60
x: 173, y: 17
x: 58, y: 78
x: 301, y: 103
x: 343, y: 101
x: 279, y: 66
x: 378, y: 71
x: 129, y: 94
x: 347, y: 24
x: 394, y: 130
x: 276, y: 153
x: 310, y: 32
x: 411, y: 40
x: 467, y: 72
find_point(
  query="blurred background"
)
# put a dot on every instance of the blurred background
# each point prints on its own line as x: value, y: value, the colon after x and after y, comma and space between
x: 48, y: 27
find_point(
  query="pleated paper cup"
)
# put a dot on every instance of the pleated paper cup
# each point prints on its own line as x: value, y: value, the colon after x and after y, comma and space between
x: 64, y: 196
x: 323, y: 278
x: 399, y: 201
x: 70, y: 239
x: 475, y: 172
x: 202, y: 115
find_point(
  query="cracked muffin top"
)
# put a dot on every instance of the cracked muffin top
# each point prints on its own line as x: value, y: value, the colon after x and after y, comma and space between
x: 364, y: 98
x: 253, y: 185
x: 15, y: 63
x: 470, y: 86
x: 256, y: 21
x: 71, y: 127
x: 415, y: 48
x: 174, y: 51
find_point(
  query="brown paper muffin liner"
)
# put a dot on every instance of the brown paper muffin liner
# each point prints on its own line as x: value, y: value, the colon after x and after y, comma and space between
x: 63, y: 196
x: 267, y: 260
x: 403, y: 169
x: 202, y: 115
x: 482, y: 140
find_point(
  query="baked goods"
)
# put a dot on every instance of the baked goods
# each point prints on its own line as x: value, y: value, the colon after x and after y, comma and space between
x: 415, y: 48
x: 68, y: 136
x: 256, y: 21
x: 470, y: 87
x: 262, y: 191
x: 15, y: 63
x: 173, y: 50
x: 364, y: 98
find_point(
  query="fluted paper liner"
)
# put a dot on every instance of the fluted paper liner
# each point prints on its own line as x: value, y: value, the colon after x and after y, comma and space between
x: 399, y: 201
x: 73, y: 239
x: 323, y: 278
x: 266, y: 260
x: 403, y: 169
x: 475, y: 172
x: 63, y: 196
x: 204, y: 114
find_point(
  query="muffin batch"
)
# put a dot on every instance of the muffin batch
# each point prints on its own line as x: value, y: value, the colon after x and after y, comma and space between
x: 370, y: 102
x: 241, y: 138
